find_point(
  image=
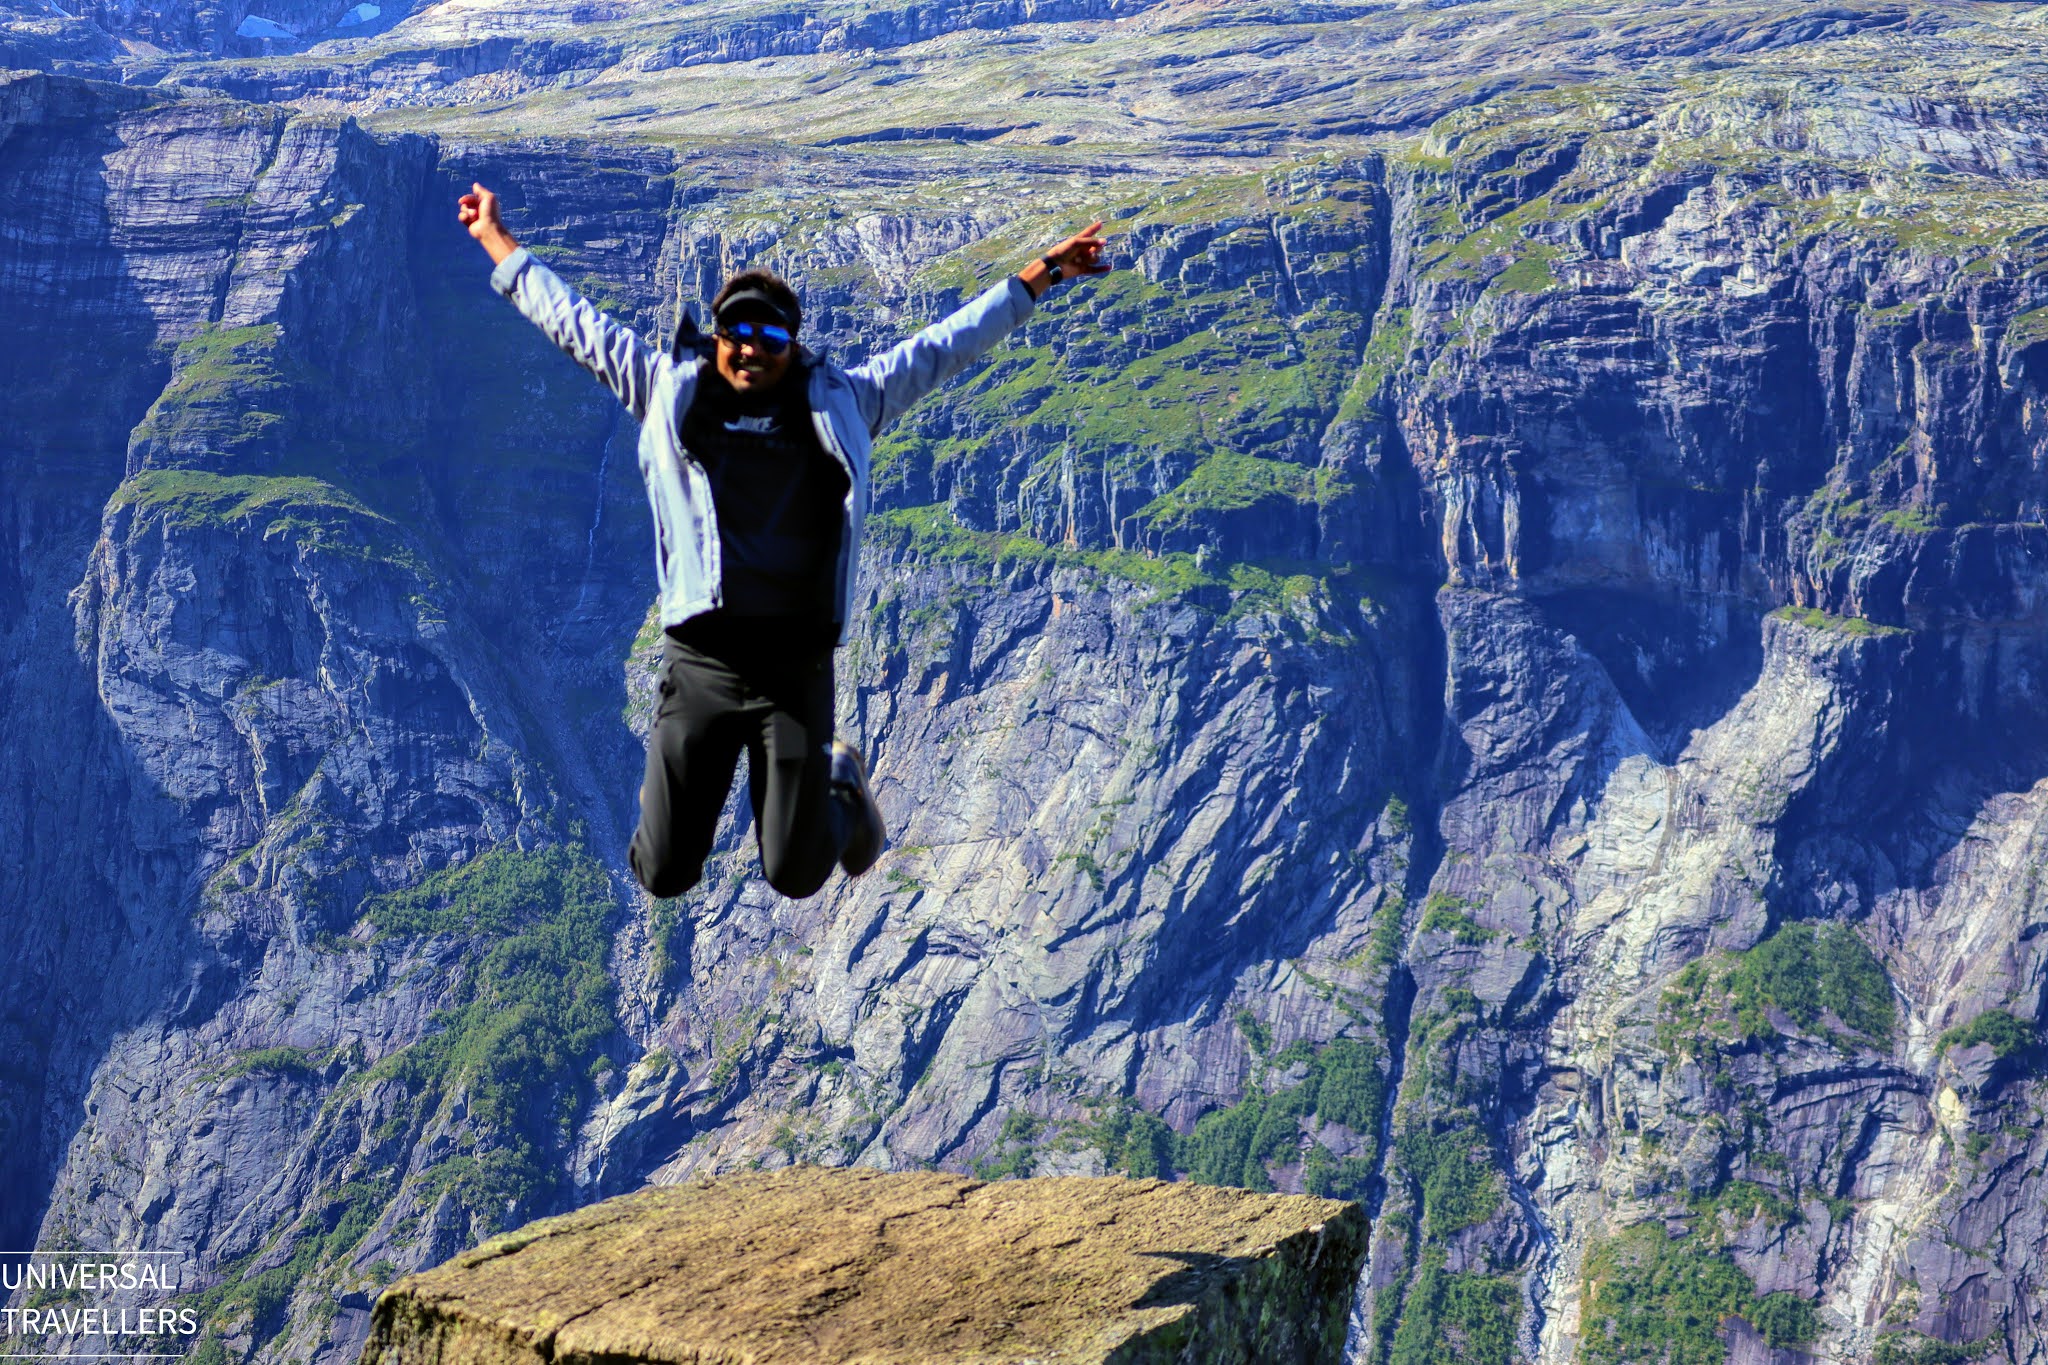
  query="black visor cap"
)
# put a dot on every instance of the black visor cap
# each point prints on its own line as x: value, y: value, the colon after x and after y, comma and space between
x: 753, y: 303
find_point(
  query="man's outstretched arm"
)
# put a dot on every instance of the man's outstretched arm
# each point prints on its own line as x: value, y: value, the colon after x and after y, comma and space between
x: 609, y: 350
x: 894, y: 380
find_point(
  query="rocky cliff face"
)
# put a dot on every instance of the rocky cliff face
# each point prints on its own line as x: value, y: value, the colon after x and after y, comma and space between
x: 1492, y: 671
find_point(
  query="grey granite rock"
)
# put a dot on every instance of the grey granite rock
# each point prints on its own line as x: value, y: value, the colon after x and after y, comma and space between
x: 1435, y: 620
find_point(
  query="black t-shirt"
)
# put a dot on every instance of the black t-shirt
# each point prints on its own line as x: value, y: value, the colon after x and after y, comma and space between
x: 780, y: 498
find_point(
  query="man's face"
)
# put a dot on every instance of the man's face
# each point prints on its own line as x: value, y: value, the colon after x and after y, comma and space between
x: 749, y: 364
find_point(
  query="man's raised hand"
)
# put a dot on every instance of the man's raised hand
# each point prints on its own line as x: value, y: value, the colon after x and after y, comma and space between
x: 478, y: 211
x: 1081, y: 254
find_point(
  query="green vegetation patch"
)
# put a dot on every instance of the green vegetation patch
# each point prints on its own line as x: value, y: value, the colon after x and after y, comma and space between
x: 1256, y: 1035
x: 1916, y: 1348
x: 1690, y: 1016
x: 226, y: 391
x: 1652, y: 1298
x: 1433, y: 1041
x: 2007, y: 1034
x: 930, y: 533
x: 1722, y: 1215
x: 273, y: 1061
x: 1446, y: 914
x: 1457, y: 1316
x: 307, y: 510
x: 532, y: 1012
x: 1137, y: 365
x: 1015, y: 1152
x: 1524, y: 265
x: 1529, y: 273
x: 1195, y: 201
x: 1916, y: 520
x: 1806, y: 974
x: 1326, y: 1176
x: 1346, y: 1084
x: 212, y: 363
x: 1384, y: 948
x: 1139, y: 1144
x: 1453, y: 1168
x: 1805, y: 971
x: 2026, y: 329
x: 1233, y: 1146
x: 191, y: 497
x: 254, y: 1302
x: 1386, y: 353
x: 1229, y: 481
x: 1813, y: 618
x: 1206, y: 370
x: 1445, y: 1179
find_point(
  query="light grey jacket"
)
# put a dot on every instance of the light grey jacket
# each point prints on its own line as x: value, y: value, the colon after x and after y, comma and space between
x: 849, y: 408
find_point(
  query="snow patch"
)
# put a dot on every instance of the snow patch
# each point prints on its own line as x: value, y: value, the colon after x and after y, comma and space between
x: 361, y: 14
x: 255, y: 27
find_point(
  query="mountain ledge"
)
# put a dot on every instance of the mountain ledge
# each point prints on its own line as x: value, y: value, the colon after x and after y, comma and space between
x: 823, y: 1265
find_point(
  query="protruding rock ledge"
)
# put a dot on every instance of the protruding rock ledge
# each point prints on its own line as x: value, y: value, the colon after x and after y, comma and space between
x: 812, y: 1266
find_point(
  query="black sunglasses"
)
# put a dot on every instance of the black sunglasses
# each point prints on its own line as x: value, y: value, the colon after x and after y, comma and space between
x: 766, y: 335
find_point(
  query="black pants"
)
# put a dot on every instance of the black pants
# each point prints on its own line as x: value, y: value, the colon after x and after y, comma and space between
x: 732, y: 685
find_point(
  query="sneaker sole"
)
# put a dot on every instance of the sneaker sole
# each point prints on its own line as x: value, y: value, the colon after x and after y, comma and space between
x: 858, y: 856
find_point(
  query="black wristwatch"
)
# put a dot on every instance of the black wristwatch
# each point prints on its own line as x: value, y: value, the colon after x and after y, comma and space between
x: 1056, y: 274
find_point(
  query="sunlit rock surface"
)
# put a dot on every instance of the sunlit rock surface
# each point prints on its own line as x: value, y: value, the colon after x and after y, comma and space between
x: 920, y: 1268
x: 1493, y: 668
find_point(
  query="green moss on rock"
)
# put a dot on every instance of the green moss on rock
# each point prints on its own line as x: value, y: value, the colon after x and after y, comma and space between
x: 1227, y: 482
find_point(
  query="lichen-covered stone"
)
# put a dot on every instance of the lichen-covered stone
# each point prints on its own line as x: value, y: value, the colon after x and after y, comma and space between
x: 818, y: 1266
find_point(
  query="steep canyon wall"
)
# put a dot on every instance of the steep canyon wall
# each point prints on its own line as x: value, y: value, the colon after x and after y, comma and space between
x: 1496, y: 675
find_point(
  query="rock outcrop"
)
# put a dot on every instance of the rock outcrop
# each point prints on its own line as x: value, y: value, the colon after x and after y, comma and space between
x: 823, y: 1266
x: 1493, y: 670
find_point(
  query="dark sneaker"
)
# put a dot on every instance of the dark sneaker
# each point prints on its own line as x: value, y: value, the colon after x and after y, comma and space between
x: 850, y: 781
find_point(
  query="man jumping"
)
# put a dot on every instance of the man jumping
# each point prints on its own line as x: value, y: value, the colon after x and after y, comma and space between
x: 756, y: 464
